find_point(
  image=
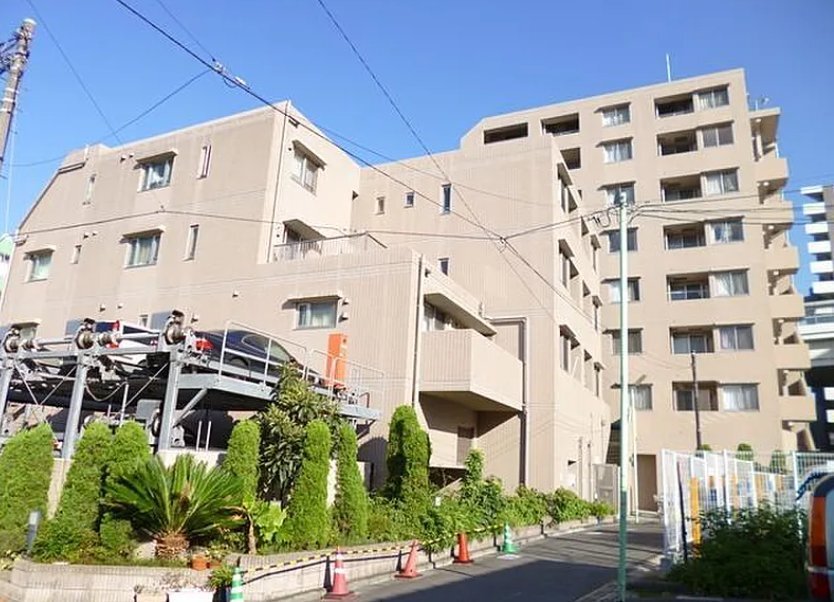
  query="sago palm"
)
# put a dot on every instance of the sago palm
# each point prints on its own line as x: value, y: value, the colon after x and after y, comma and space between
x: 176, y: 505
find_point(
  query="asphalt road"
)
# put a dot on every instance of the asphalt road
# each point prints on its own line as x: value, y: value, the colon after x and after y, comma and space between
x: 577, y: 566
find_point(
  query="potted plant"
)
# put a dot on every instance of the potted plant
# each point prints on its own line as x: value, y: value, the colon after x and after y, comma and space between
x: 221, y: 580
x: 199, y: 559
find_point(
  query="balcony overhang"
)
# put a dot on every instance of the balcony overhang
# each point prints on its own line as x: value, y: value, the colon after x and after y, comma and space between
x: 463, y: 316
x: 305, y: 230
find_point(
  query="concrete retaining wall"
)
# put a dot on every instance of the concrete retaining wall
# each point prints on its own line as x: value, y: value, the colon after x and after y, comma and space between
x: 31, y: 582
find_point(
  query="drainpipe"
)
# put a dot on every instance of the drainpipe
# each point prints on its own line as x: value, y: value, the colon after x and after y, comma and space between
x: 278, y: 180
x: 418, y: 334
x: 524, y: 460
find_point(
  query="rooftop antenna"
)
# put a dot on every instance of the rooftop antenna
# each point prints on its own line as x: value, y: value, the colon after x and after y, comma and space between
x: 668, y: 68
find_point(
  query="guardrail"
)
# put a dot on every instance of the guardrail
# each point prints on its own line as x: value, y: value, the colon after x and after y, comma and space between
x: 325, y: 247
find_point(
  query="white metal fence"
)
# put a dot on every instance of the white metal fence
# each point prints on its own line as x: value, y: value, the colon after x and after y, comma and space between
x: 694, y: 483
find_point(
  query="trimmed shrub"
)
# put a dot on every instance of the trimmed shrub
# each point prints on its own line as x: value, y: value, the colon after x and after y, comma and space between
x: 73, y: 530
x: 129, y: 451
x: 308, y: 521
x: 386, y: 521
x: 564, y: 505
x: 744, y: 451
x: 350, y: 509
x: 407, y: 459
x: 242, y: 457
x: 25, y: 474
x: 483, y: 500
x: 526, y: 507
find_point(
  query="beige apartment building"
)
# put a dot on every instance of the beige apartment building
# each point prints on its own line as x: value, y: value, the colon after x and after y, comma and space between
x: 259, y: 219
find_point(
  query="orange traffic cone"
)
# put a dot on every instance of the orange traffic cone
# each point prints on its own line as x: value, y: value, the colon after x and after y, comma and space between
x: 410, y: 570
x: 340, y: 589
x: 463, y: 550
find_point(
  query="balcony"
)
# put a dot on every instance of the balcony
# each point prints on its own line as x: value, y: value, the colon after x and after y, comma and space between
x: 792, y: 356
x: 825, y: 266
x: 819, y: 247
x: 772, y: 170
x: 797, y: 408
x: 464, y: 367
x: 822, y: 287
x: 811, y: 209
x: 786, y: 306
x: 782, y: 258
x: 326, y: 247
x: 676, y: 143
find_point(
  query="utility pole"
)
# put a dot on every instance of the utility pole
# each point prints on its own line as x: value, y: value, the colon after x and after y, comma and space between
x: 698, y: 442
x: 625, y: 399
x: 13, y: 57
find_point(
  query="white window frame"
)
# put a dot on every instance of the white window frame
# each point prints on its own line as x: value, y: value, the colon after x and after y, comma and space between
x: 689, y: 337
x: 305, y: 314
x: 613, y: 192
x: 716, y: 131
x: 133, y: 249
x: 735, y: 288
x: 39, y: 261
x: 191, y: 242
x: 749, y: 397
x: 733, y: 336
x: 635, y: 341
x: 640, y: 397
x: 724, y: 181
x: 305, y: 170
x: 713, y: 98
x: 150, y: 180
x: 614, y: 294
x: 617, y: 151
x: 733, y: 230
x: 617, y: 115
x: 205, y: 161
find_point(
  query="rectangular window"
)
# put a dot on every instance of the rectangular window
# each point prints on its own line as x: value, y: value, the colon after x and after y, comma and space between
x: 616, y: 151
x: 191, y: 244
x: 156, y: 173
x: 305, y: 171
x: 316, y: 314
x: 684, y: 395
x: 691, y: 342
x: 616, y: 115
x: 561, y: 126
x: 641, y: 397
x: 717, y: 135
x: 614, y: 192
x: 380, y: 205
x: 205, y: 161
x: 685, y: 237
x: 409, y: 199
x: 720, y: 182
x: 736, y: 338
x: 635, y: 341
x: 614, y: 290
x: 597, y: 380
x: 446, y: 199
x: 88, y: 193
x: 76, y: 254
x: 682, y: 289
x: 726, y: 231
x: 711, y: 99
x: 142, y: 250
x: 443, y: 264
x: 669, y: 107
x: 740, y: 398
x: 39, y: 264
x: 730, y: 284
x: 565, y: 345
x: 614, y: 240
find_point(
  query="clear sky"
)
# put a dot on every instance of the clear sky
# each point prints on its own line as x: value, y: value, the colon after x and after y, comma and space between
x: 447, y: 63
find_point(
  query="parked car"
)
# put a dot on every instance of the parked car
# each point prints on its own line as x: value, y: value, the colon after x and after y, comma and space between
x: 247, y: 353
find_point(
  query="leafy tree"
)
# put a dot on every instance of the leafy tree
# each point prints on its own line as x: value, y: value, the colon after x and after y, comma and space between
x: 407, y: 457
x: 76, y: 522
x: 308, y: 521
x: 483, y: 500
x: 178, y: 505
x: 282, y: 423
x: 242, y: 462
x: 350, y: 509
x: 129, y: 451
x: 25, y: 474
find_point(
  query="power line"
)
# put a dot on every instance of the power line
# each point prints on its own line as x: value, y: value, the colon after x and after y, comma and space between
x: 185, y: 29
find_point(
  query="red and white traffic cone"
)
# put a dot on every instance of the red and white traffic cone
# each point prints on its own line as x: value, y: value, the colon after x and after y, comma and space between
x: 410, y: 570
x: 340, y: 589
x: 463, y: 550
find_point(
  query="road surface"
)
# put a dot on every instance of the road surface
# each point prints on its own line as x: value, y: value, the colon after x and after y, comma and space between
x: 577, y: 566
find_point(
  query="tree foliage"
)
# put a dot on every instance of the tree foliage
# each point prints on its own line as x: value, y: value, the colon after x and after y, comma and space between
x: 76, y: 521
x: 350, y: 508
x: 178, y: 505
x: 407, y: 458
x: 283, y: 423
x: 25, y: 474
x: 242, y: 457
x: 308, y: 520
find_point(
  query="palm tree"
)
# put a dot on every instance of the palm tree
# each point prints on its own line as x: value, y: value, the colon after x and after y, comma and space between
x: 176, y: 505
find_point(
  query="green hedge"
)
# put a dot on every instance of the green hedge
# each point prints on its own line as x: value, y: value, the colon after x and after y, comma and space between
x: 308, y: 520
x: 350, y: 508
x: 242, y: 457
x: 25, y: 474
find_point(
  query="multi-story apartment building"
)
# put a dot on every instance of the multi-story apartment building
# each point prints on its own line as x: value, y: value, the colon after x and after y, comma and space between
x: 260, y: 219
x: 817, y: 328
x: 711, y: 267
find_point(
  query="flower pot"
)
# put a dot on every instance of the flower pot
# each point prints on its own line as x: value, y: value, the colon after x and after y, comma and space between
x: 190, y: 595
x: 199, y: 563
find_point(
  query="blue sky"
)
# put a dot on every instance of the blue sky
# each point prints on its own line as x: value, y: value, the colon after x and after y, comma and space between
x: 447, y: 63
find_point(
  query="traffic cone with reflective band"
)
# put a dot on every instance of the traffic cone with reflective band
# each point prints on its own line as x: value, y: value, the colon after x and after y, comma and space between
x: 410, y: 570
x: 508, y: 546
x: 463, y: 550
x: 340, y: 589
x: 236, y: 591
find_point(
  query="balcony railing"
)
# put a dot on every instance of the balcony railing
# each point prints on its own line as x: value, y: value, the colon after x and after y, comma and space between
x: 326, y: 247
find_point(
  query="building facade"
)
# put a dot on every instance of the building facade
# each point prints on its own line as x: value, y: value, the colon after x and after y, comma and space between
x: 817, y: 327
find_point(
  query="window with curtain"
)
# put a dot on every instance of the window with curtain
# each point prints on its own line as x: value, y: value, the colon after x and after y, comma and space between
x: 717, y: 135
x: 39, y: 264
x: 710, y: 99
x: 641, y: 397
x: 726, y: 231
x: 616, y: 151
x: 635, y: 341
x: 612, y: 194
x: 720, y: 182
x: 736, y: 338
x: 317, y: 314
x: 143, y: 250
x: 305, y: 170
x: 616, y: 115
x: 633, y: 290
x: 730, y: 284
x: 740, y: 398
x: 614, y: 240
x: 157, y: 173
